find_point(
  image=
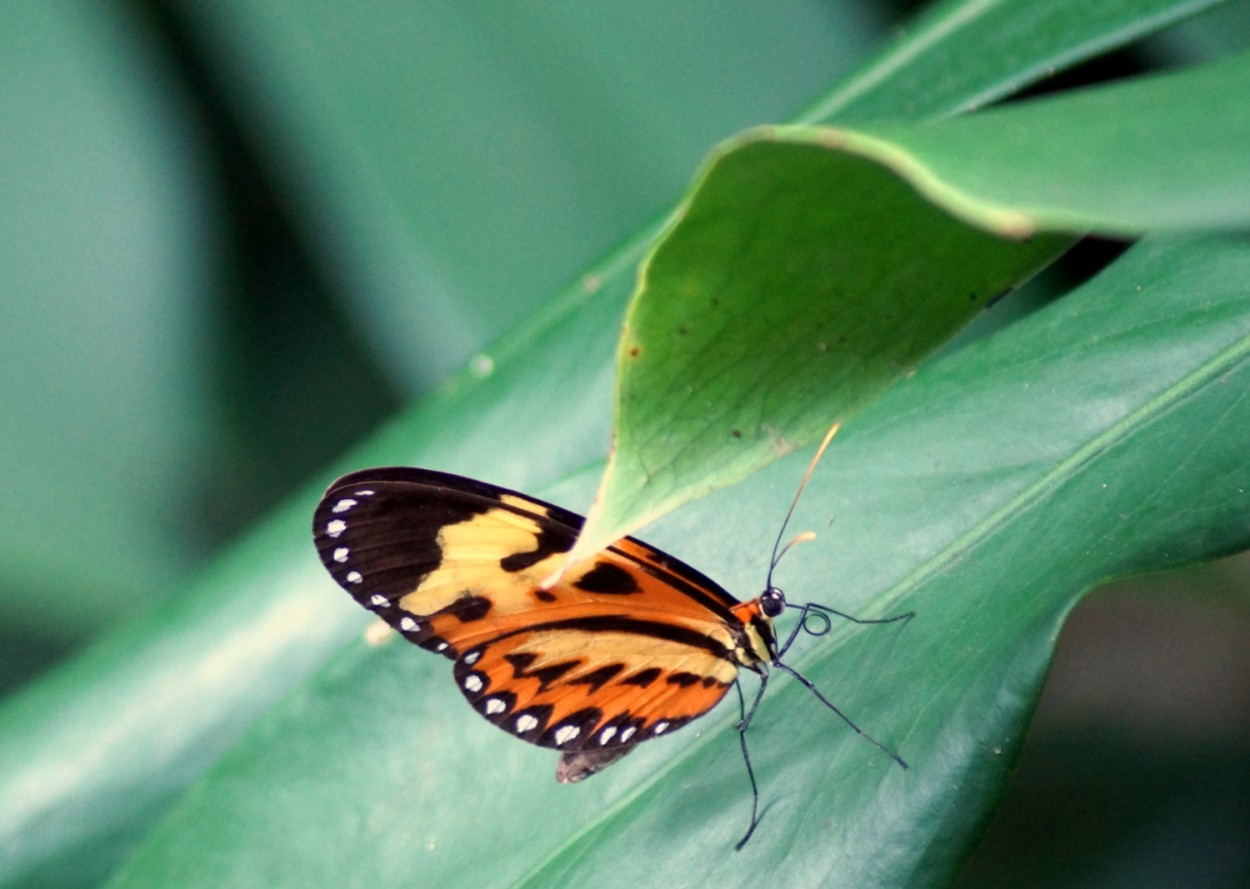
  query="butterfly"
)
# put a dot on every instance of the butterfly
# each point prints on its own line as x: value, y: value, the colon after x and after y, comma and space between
x: 628, y: 645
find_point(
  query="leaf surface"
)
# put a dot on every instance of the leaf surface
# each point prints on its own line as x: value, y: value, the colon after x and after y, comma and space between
x: 810, y: 268
x: 1103, y: 436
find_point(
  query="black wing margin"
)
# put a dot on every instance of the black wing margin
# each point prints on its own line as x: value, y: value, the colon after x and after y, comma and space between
x: 377, y: 533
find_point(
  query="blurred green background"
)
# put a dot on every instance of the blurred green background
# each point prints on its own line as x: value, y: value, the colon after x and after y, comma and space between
x: 236, y: 237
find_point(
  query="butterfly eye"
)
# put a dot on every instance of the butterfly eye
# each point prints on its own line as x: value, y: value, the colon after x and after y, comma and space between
x: 772, y: 601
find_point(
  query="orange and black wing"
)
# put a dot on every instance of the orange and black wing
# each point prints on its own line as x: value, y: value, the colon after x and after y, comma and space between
x: 628, y: 645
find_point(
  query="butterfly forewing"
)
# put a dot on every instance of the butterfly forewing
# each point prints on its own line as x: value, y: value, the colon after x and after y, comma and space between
x: 628, y: 645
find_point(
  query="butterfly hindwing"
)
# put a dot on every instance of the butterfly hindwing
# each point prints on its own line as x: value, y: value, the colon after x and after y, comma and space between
x: 591, y: 683
x: 628, y: 645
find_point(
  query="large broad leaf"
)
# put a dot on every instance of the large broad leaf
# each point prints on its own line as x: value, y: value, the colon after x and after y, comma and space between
x: 1104, y: 436
x: 90, y: 757
x: 960, y: 55
x: 809, y: 268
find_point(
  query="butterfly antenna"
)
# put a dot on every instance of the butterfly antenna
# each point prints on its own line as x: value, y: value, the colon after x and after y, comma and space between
x: 778, y: 549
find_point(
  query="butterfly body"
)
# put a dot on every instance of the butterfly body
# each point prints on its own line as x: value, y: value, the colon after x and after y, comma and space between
x: 627, y: 645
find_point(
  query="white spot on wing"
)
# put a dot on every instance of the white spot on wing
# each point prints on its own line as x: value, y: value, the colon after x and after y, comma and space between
x: 566, y: 733
x: 607, y: 734
x: 377, y: 600
x: 524, y: 723
x: 628, y: 733
x: 441, y: 646
x: 473, y: 682
x: 495, y: 706
x: 660, y: 728
x: 364, y: 492
x: 354, y: 577
x: 335, y: 527
x: 340, y: 554
x: 407, y: 624
x: 343, y: 505
x: 471, y: 657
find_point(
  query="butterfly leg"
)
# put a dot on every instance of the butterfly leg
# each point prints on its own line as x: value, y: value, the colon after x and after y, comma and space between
x: 794, y: 633
x: 743, y: 724
x: 810, y: 686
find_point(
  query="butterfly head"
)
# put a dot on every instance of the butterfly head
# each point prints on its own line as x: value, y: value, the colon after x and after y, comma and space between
x: 772, y: 601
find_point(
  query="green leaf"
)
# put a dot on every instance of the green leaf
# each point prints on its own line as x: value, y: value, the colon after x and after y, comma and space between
x: 1160, y: 152
x: 160, y: 700
x: 810, y: 268
x: 93, y: 755
x: 797, y: 285
x: 1105, y: 435
x: 961, y: 55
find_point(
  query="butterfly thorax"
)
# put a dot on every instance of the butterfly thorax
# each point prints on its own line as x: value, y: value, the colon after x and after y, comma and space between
x: 757, y: 641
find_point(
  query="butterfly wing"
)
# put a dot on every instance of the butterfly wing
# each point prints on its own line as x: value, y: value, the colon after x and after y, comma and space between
x: 628, y: 645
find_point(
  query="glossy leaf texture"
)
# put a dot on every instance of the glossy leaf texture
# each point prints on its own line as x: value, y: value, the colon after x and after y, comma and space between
x: 961, y: 55
x: 810, y: 268
x: 91, y: 757
x: 1105, y: 435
